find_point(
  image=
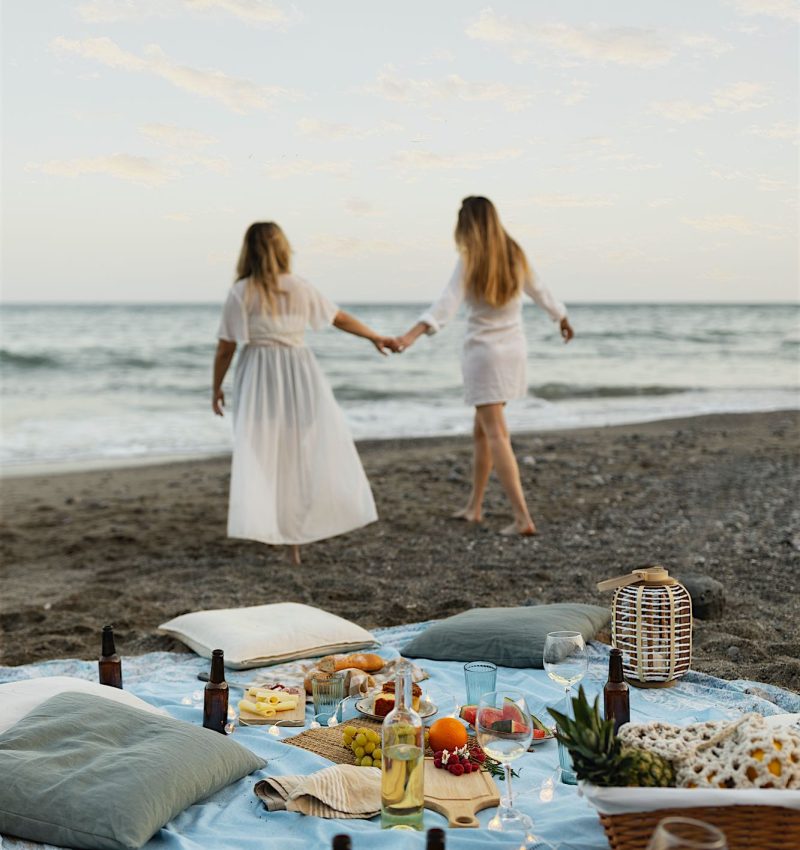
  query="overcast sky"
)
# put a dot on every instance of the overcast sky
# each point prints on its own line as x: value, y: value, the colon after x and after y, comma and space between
x: 638, y: 150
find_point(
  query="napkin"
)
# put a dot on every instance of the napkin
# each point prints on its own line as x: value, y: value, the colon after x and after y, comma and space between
x: 341, y: 791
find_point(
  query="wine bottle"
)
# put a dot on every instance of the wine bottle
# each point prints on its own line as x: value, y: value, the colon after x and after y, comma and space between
x: 616, y: 698
x: 215, y: 701
x: 435, y: 840
x: 341, y: 842
x: 110, y: 664
x: 402, y: 764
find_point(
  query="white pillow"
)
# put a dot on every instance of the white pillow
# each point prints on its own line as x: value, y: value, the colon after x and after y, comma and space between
x: 17, y: 699
x: 267, y: 634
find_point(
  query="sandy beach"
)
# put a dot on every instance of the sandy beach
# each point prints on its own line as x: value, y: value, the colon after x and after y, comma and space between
x: 711, y: 495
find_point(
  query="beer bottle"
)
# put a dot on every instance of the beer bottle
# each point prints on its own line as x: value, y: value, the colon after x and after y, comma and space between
x: 110, y: 664
x: 215, y: 702
x: 616, y: 698
x: 435, y: 839
x: 341, y: 842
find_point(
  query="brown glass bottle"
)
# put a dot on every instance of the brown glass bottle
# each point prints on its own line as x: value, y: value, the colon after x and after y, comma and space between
x: 215, y: 702
x: 110, y: 664
x: 341, y: 842
x: 616, y: 698
x: 435, y: 840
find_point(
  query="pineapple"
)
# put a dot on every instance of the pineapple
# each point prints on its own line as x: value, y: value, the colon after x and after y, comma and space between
x: 598, y: 755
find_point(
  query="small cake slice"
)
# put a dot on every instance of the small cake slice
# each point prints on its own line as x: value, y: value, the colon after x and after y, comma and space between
x: 384, y: 701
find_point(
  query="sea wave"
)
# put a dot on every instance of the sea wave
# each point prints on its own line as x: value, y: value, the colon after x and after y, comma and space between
x: 353, y: 392
x: 559, y: 392
x: 27, y: 361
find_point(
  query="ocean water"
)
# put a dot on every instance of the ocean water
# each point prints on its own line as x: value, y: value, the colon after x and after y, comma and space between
x: 114, y: 383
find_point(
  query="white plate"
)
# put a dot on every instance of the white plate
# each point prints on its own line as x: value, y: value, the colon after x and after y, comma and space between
x: 366, y: 707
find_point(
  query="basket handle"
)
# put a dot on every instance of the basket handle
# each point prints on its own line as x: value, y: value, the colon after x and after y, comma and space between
x: 653, y: 573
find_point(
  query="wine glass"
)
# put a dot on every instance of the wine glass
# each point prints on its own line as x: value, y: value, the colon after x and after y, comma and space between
x: 686, y: 834
x: 504, y: 730
x: 566, y: 663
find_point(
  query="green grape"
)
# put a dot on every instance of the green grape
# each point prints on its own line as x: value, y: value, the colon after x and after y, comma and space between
x: 361, y: 739
x: 369, y: 748
x: 360, y: 752
x: 351, y: 731
x: 377, y: 754
x: 373, y: 735
x: 366, y: 762
x: 347, y: 740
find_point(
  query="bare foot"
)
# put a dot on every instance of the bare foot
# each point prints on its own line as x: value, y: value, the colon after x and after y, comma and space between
x: 468, y: 515
x: 294, y: 555
x: 527, y: 529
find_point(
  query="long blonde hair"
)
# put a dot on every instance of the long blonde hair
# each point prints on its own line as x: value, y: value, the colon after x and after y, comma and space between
x: 265, y: 255
x: 494, y: 265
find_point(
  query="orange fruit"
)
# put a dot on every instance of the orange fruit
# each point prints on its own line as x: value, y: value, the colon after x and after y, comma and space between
x: 447, y: 734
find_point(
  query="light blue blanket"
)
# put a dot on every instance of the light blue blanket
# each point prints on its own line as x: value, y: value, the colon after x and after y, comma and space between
x: 235, y: 818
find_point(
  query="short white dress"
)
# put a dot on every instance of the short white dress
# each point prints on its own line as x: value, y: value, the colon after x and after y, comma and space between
x: 296, y: 476
x: 494, y: 354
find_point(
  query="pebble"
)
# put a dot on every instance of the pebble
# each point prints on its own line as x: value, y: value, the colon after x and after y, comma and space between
x: 734, y: 653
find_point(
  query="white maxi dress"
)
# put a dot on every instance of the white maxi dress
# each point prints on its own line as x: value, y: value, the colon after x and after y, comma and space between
x: 296, y: 476
x: 494, y: 353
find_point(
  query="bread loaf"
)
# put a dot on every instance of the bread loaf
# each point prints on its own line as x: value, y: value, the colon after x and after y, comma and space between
x: 367, y: 661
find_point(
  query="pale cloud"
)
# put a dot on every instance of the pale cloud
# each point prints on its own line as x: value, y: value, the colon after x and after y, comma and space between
x: 657, y: 203
x: 362, y: 208
x: 220, y: 164
x: 258, y: 12
x: 737, y: 97
x: 333, y: 131
x: 237, y: 94
x: 177, y: 216
x: 391, y: 86
x: 786, y: 9
x: 778, y: 130
x: 294, y: 167
x: 173, y: 136
x: 352, y: 246
x: 602, y: 150
x: 705, y: 45
x: 429, y: 160
x: 740, y: 97
x: 573, y: 201
x: 762, y: 182
x: 724, y: 223
x: 135, y: 169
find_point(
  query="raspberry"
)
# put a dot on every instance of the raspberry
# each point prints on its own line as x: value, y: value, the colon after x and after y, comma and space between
x: 467, y: 767
x: 480, y: 756
x: 437, y: 762
x: 456, y: 769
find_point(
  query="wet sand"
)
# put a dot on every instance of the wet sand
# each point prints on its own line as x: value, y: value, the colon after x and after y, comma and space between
x: 712, y: 495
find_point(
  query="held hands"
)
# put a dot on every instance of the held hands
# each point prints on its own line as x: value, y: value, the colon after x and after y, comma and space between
x: 382, y: 343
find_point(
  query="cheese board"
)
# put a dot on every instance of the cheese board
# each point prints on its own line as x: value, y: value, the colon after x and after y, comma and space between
x: 291, y: 717
x: 459, y: 798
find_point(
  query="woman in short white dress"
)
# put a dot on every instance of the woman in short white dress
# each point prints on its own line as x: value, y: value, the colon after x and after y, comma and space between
x: 491, y: 275
x: 295, y: 476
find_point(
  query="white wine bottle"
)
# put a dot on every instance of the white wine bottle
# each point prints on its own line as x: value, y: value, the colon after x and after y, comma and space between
x: 402, y: 768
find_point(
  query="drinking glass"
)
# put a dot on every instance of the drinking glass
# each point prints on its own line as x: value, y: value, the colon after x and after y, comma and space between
x: 566, y: 663
x: 686, y: 834
x: 504, y: 730
x: 327, y: 691
x: 480, y: 677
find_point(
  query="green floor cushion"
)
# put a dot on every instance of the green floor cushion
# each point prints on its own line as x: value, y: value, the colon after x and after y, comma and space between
x: 510, y: 637
x: 83, y: 771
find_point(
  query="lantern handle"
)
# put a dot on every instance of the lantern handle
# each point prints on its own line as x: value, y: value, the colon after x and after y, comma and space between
x: 654, y: 574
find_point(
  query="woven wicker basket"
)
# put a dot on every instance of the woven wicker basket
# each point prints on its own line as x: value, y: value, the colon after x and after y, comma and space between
x: 652, y: 626
x: 745, y: 827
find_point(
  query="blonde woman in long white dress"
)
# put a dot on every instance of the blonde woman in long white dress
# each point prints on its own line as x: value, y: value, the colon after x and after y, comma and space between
x: 296, y: 476
x: 491, y: 276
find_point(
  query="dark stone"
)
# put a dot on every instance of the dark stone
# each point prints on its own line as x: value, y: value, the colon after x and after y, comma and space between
x: 708, y: 596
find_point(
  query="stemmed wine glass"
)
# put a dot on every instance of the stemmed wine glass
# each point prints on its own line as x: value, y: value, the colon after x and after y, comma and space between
x: 686, y: 834
x: 566, y: 663
x: 504, y: 730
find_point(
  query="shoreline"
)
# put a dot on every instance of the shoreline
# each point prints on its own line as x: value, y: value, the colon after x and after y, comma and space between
x: 66, y: 467
x: 136, y: 545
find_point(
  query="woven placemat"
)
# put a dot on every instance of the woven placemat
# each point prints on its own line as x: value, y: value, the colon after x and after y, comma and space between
x: 327, y: 740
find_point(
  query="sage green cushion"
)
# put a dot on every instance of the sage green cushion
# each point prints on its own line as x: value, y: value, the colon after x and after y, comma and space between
x: 510, y: 637
x: 83, y: 771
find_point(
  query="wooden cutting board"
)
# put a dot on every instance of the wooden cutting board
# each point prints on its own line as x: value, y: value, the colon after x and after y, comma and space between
x: 296, y: 717
x: 458, y: 798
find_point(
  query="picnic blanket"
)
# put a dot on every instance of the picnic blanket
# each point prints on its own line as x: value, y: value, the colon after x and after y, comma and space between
x: 236, y: 818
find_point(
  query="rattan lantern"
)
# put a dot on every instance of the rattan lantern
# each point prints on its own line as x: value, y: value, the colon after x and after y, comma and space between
x: 651, y: 621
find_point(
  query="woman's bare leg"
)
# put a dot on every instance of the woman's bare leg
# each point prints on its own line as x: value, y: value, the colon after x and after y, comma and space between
x: 294, y: 554
x: 481, y: 469
x: 493, y: 423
